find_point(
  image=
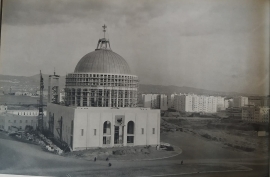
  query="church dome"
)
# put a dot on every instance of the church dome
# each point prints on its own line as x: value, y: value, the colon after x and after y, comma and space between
x: 102, y: 60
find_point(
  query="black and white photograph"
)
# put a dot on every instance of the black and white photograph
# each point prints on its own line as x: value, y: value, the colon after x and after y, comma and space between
x: 145, y: 88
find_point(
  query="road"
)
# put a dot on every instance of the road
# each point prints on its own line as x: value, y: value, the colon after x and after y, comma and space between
x: 22, y: 158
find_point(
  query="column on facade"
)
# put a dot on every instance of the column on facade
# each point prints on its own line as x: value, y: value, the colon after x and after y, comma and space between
x: 88, y: 98
x: 102, y: 98
x: 133, y: 98
x: 75, y: 97
x: 81, y: 98
x: 121, y: 135
x: 124, y: 97
x: 110, y: 97
x: 129, y: 105
x: 117, y: 94
x: 95, y: 97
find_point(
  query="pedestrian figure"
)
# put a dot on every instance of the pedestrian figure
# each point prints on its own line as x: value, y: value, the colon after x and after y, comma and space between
x: 95, y: 159
x: 182, y: 162
x: 110, y: 164
x: 107, y: 159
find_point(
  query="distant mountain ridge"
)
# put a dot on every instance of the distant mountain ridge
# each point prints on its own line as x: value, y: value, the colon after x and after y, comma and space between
x: 145, y: 88
x: 32, y: 83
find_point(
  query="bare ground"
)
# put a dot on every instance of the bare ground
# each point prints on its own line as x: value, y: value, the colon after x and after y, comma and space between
x: 230, y: 133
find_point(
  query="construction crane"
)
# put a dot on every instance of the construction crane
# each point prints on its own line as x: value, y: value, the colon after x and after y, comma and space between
x: 40, y: 106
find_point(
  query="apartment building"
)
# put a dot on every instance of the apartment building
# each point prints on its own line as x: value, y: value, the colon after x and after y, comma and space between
x: 240, y: 101
x: 252, y: 113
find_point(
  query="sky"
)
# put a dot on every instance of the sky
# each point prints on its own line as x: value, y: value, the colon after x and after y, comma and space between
x: 220, y: 45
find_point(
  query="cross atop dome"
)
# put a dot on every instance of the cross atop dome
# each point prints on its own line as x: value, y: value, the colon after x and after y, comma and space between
x: 104, y: 29
x: 103, y: 43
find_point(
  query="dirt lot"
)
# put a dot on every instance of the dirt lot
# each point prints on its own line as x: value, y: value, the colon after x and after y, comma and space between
x: 125, y: 153
x: 230, y: 133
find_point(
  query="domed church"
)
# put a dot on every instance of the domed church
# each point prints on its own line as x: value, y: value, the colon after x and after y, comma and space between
x: 100, y: 108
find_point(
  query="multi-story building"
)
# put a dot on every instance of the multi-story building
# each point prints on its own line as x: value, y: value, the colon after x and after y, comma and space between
x: 212, y: 104
x: 170, y: 98
x: 163, y: 102
x: 151, y: 101
x: 220, y: 103
x: 183, y: 103
x: 226, y: 104
x: 255, y: 114
x: 195, y: 103
x: 240, y: 101
x: 155, y: 101
x: 258, y: 101
x: 203, y: 103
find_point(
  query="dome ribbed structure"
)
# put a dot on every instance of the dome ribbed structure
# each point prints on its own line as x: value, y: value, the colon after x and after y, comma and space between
x: 102, y: 78
x: 102, y: 61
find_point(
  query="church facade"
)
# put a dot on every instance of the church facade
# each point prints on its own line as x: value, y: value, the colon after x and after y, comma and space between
x: 100, y: 107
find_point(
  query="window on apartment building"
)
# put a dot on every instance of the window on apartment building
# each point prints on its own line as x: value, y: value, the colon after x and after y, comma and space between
x: 81, y: 132
x: 20, y: 121
x: 14, y: 121
x: 9, y: 121
x: 95, y: 132
x: 142, y: 130
x: 153, y: 131
x: 26, y: 121
x: 31, y: 121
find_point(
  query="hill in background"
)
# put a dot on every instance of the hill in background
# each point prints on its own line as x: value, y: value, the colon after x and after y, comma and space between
x: 31, y: 84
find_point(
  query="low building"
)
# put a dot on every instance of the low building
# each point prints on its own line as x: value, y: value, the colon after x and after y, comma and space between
x: 7, y: 121
x: 18, y: 118
x: 252, y: 113
x: 3, y: 108
x: 26, y: 112
x: 234, y: 112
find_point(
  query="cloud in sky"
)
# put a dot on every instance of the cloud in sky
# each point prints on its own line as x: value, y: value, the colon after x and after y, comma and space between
x: 217, y: 45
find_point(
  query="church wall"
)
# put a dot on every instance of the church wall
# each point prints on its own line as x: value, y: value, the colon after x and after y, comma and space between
x: 67, y: 113
x: 141, y: 123
x: 88, y: 125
